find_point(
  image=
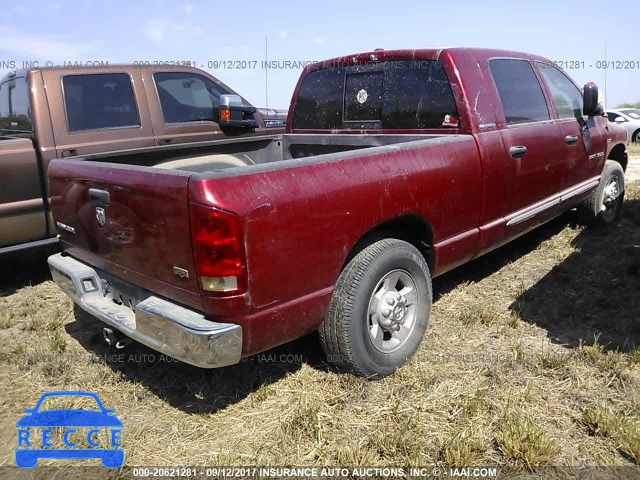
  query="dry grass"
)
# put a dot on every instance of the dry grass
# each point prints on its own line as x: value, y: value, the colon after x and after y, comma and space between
x: 633, y: 149
x: 620, y: 426
x: 521, y: 441
x: 531, y: 360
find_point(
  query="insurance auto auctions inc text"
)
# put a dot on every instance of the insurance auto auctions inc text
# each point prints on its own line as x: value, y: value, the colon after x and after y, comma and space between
x: 331, y: 472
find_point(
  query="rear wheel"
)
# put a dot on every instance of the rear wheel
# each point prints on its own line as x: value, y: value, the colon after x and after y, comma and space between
x: 379, y: 310
x: 636, y: 136
x: 605, y: 203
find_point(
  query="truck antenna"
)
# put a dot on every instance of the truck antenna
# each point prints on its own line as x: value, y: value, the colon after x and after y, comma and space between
x: 266, y: 72
x: 605, y: 75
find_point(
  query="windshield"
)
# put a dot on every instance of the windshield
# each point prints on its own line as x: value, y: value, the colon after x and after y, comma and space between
x: 632, y: 113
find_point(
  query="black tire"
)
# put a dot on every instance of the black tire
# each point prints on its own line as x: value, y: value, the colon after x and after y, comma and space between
x: 601, y: 208
x: 347, y: 333
x: 636, y: 137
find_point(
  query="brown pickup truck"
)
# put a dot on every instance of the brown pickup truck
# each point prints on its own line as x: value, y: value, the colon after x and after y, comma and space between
x: 63, y: 112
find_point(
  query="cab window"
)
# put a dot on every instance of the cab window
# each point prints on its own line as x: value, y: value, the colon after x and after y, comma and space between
x: 566, y: 96
x: 363, y: 97
x: 320, y: 100
x: 15, y: 108
x: 5, y: 118
x: 519, y: 90
x: 187, y: 97
x: 418, y: 95
x: 99, y: 100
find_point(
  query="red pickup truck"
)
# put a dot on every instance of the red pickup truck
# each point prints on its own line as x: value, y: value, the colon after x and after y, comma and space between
x: 397, y: 166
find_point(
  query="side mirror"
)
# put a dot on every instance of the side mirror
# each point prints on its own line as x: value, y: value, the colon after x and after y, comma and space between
x: 228, y: 100
x: 234, y: 113
x: 590, y: 100
x: 619, y: 120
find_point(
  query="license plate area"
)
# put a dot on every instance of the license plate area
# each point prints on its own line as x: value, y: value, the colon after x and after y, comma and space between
x: 121, y: 292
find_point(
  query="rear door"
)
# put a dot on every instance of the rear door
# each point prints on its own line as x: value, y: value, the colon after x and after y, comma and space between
x: 533, y: 143
x: 131, y: 222
x: 97, y: 111
x: 585, y: 139
x: 22, y: 214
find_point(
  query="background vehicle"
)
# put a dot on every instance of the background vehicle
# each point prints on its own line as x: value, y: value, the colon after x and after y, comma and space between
x: 62, y: 112
x: 629, y: 118
x: 274, y: 118
x: 398, y: 166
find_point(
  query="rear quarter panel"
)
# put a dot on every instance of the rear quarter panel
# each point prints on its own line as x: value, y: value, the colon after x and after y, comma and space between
x: 301, y: 221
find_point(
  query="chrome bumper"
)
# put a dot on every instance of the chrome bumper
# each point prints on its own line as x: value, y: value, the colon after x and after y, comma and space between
x: 164, y: 326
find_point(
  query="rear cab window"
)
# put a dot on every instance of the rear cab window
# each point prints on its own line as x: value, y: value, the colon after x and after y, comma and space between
x: 363, y: 98
x: 15, y: 108
x: 187, y: 97
x: 519, y: 90
x: 99, y: 100
x: 402, y: 95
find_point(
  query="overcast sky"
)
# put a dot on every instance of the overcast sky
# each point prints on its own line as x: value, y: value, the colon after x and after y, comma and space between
x: 212, y: 32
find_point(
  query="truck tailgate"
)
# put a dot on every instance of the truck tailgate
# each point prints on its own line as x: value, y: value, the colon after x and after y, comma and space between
x: 130, y: 221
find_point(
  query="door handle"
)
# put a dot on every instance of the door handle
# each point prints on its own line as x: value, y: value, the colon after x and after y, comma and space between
x: 517, y: 151
x: 99, y: 198
x: 571, y: 139
x: 69, y: 153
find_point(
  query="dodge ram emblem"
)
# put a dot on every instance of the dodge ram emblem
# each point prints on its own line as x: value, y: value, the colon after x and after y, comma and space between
x: 362, y: 96
x: 101, y: 216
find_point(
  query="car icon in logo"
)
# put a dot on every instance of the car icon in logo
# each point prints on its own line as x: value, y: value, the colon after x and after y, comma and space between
x: 84, y: 432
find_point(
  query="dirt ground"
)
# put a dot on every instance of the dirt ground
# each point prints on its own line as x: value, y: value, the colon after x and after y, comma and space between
x: 531, y: 360
x: 633, y: 169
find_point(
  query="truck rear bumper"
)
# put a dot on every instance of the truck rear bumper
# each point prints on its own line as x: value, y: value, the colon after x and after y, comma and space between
x: 164, y: 326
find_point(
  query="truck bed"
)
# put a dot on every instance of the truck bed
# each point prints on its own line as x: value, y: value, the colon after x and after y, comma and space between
x: 244, y: 152
x: 297, y: 198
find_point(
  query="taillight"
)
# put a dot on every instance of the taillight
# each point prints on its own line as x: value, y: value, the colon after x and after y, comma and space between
x: 218, y: 250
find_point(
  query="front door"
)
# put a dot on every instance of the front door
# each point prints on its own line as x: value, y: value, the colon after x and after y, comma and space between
x: 584, y: 138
